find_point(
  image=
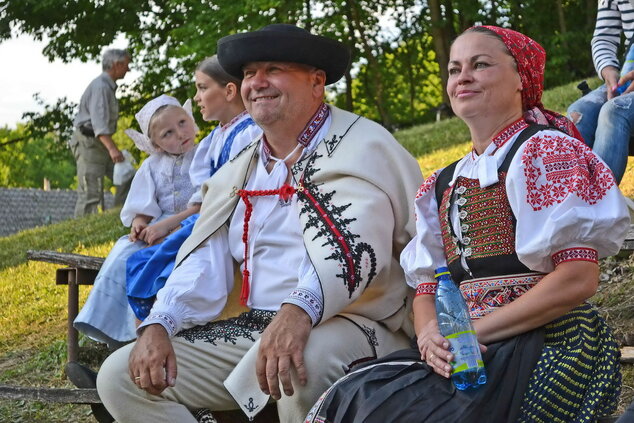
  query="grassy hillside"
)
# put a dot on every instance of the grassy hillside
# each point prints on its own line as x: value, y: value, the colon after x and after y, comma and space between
x: 33, y: 316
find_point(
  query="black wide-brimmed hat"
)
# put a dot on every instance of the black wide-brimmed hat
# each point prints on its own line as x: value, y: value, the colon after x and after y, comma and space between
x: 283, y: 43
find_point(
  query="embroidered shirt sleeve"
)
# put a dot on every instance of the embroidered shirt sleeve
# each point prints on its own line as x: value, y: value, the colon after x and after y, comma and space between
x: 424, y: 253
x: 574, y: 254
x: 556, y: 166
x: 163, y: 319
x: 307, y: 295
x: 565, y: 200
x: 426, y: 288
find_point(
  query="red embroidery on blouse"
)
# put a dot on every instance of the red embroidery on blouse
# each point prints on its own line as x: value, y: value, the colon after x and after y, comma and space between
x: 573, y: 254
x: 232, y: 121
x: 428, y: 288
x: 506, y: 134
x: 556, y: 166
x: 426, y: 186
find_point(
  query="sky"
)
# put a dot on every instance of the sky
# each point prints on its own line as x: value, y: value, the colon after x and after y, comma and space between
x: 26, y: 71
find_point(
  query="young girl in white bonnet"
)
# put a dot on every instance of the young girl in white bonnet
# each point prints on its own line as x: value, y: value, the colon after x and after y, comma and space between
x: 218, y: 96
x: 158, y: 201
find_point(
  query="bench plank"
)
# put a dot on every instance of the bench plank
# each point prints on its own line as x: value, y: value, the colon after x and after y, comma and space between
x: 60, y: 395
x: 68, y: 259
x: 627, y: 355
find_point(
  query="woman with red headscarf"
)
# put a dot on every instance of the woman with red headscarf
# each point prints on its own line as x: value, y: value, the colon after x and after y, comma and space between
x: 520, y: 222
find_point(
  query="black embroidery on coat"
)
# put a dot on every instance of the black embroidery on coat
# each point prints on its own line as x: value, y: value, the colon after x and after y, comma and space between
x: 245, y: 148
x: 371, y: 334
x: 332, y: 143
x: 327, y: 218
x: 231, y: 329
x: 251, y: 406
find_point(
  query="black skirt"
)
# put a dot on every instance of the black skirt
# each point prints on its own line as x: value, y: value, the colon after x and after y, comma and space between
x: 530, y: 378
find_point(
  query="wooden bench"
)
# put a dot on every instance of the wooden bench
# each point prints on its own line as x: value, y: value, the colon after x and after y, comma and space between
x: 82, y: 270
x: 79, y: 270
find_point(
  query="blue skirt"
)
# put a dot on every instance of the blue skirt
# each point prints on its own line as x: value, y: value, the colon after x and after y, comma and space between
x: 148, y: 269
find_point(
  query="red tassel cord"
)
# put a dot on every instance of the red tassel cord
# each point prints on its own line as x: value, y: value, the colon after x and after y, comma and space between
x: 285, y: 192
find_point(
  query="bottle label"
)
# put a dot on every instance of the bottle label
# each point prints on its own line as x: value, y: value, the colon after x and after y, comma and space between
x: 466, y: 351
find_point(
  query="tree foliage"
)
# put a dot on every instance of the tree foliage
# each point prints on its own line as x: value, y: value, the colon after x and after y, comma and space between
x: 400, y: 48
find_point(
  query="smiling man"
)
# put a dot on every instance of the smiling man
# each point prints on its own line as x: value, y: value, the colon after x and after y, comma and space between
x: 315, y: 212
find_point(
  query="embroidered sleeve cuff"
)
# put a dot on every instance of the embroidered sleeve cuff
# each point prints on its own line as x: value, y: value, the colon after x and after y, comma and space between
x: 573, y: 254
x: 308, y: 301
x: 427, y: 288
x: 163, y: 319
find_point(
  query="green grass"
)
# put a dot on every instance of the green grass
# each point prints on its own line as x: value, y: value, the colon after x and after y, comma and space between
x: 67, y: 236
x: 33, y: 317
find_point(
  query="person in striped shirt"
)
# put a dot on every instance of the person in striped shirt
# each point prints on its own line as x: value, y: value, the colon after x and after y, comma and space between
x: 604, y: 116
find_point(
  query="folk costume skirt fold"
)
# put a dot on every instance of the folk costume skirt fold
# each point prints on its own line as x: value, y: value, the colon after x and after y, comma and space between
x: 566, y: 371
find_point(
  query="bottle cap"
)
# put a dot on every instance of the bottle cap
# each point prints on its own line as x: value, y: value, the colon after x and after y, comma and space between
x: 441, y: 271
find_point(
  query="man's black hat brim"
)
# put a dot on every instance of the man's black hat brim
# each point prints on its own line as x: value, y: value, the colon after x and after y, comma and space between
x: 283, y: 43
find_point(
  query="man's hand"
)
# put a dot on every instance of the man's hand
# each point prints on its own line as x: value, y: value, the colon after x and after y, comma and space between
x: 610, y: 75
x: 282, y: 345
x: 115, y: 154
x: 152, y: 363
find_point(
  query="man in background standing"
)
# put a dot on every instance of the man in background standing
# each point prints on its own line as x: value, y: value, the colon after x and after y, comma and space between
x: 92, y: 145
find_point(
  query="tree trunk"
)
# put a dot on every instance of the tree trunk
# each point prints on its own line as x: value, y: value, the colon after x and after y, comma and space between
x: 440, y: 43
x: 373, y: 63
x: 562, y: 24
x: 591, y: 10
x: 349, y: 98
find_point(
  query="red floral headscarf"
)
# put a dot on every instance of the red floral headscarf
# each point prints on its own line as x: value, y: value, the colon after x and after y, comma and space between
x: 530, y: 58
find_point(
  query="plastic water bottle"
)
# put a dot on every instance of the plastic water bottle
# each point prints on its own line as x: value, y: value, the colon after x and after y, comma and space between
x: 628, y: 66
x: 455, y: 325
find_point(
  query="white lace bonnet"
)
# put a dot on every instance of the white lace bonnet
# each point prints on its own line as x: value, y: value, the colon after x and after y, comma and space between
x: 142, y: 140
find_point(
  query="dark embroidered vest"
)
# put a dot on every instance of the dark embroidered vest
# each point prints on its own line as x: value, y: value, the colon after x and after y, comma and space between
x: 487, y: 223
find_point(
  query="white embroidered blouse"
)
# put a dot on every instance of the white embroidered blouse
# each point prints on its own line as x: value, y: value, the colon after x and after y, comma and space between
x: 160, y: 187
x: 239, y: 132
x: 565, y: 200
x: 197, y: 290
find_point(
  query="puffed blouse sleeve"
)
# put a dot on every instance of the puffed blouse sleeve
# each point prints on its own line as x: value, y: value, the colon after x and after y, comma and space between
x: 566, y: 202
x: 424, y: 253
x: 142, y: 196
x: 201, y: 166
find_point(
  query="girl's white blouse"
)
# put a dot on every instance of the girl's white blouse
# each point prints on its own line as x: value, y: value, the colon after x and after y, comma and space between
x: 161, y: 186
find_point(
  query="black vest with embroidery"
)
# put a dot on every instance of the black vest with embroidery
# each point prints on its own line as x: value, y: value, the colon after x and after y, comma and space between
x: 487, y: 223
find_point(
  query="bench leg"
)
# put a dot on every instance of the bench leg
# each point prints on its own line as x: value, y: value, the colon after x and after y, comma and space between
x: 73, y: 310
